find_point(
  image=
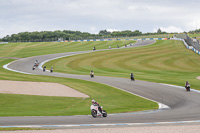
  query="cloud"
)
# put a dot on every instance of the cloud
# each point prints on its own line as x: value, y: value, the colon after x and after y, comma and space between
x: 112, y: 30
x: 93, y: 16
x: 192, y: 24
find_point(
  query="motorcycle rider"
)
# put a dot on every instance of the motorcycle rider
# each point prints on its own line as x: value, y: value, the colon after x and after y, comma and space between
x: 92, y: 73
x: 44, y: 68
x: 132, y: 76
x: 51, y: 70
x: 36, y: 62
x: 187, y: 86
x: 97, y: 104
x: 94, y: 48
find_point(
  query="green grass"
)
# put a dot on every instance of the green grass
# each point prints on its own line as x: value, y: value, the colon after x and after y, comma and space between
x: 112, y: 99
x: 195, y: 35
x: 20, y: 129
x: 163, y: 62
x: 117, y: 101
x: 42, y: 48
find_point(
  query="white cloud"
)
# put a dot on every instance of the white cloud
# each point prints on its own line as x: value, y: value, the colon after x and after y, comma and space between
x: 112, y: 30
x: 192, y: 24
x: 93, y: 16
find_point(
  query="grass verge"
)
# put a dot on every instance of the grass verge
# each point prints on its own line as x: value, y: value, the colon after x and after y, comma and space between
x: 20, y: 129
x: 22, y: 50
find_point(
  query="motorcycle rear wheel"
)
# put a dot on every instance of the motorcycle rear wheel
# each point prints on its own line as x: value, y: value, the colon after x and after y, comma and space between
x: 104, y: 113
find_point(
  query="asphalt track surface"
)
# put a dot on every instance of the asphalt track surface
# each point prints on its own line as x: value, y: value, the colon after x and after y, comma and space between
x: 184, y: 106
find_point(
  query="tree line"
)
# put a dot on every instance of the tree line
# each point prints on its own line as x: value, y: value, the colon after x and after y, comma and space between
x: 48, y: 36
x: 195, y: 31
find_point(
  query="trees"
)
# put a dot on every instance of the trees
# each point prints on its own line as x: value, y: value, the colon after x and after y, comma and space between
x: 195, y: 31
x: 104, y: 32
x: 126, y: 33
x: 159, y: 31
x: 66, y: 35
x: 46, y: 36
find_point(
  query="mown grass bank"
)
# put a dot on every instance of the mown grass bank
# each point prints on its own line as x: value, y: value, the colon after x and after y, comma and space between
x: 27, y: 49
x: 163, y: 62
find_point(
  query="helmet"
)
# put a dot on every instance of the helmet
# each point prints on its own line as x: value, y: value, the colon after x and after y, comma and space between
x: 93, y: 101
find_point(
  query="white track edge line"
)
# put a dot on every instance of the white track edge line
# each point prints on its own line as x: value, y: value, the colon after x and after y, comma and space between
x: 98, y: 125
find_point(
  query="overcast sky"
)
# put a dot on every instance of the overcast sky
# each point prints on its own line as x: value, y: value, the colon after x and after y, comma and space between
x: 95, y: 15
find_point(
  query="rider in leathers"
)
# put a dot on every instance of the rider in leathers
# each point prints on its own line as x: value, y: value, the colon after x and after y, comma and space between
x: 96, y: 104
x: 187, y: 84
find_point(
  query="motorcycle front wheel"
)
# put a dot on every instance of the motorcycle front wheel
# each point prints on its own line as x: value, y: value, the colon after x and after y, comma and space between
x: 94, y: 113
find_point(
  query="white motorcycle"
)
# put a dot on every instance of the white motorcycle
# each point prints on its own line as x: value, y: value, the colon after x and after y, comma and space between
x: 92, y: 74
x: 187, y: 87
x: 97, y: 111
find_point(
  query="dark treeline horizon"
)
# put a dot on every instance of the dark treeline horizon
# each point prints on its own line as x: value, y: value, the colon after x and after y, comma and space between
x: 73, y: 35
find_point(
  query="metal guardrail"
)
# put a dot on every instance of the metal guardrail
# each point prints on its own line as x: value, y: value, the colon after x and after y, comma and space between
x: 190, y: 41
x: 186, y: 45
x: 117, y: 39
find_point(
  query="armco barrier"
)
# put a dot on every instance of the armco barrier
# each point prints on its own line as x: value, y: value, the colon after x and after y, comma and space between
x: 186, y: 45
x: 88, y: 40
x: 3, y: 42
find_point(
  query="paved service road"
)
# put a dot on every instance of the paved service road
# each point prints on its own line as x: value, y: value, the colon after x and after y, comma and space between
x: 185, y: 106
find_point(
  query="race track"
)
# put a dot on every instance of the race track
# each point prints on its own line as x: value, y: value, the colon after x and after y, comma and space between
x: 184, y: 106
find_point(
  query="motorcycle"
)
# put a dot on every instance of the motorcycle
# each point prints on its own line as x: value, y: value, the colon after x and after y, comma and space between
x: 97, y: 111
x: 36, y: 64
x: 187, y: 87
x: 132, y: 79
x: 44, y: 68
x: 51, y: 70
x: 92, y: 74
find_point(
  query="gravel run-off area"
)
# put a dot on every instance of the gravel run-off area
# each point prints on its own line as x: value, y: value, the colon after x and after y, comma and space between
x: 38, y: 88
